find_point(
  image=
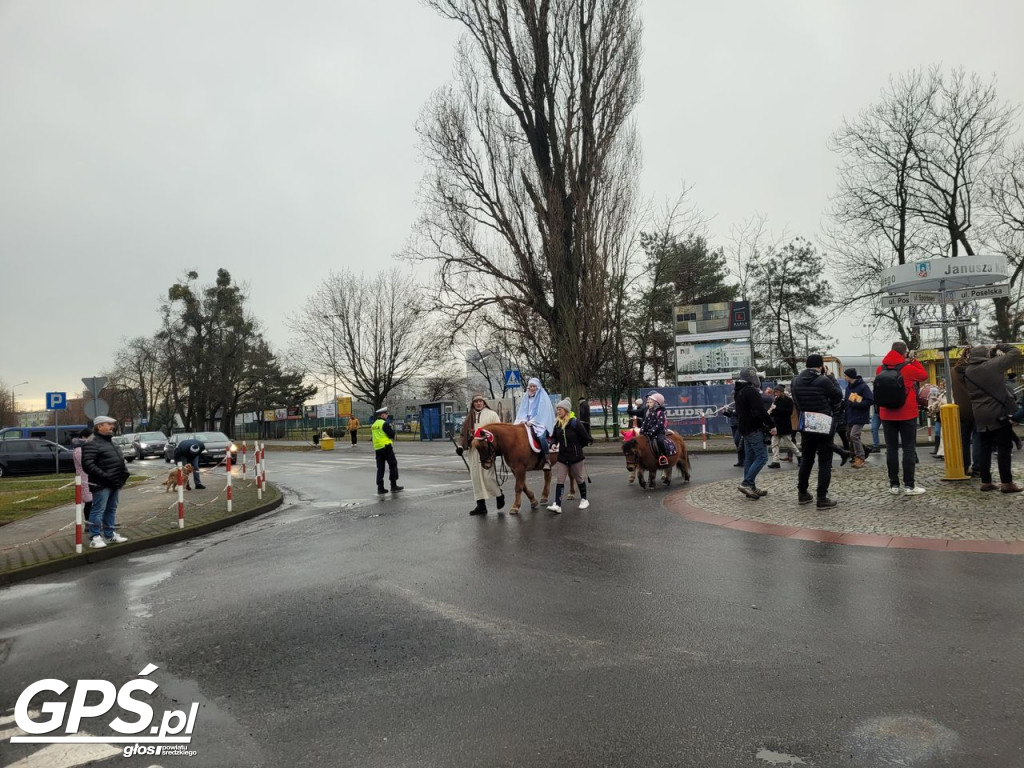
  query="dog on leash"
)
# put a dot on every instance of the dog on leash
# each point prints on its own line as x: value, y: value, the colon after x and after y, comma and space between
x: 172, y: 477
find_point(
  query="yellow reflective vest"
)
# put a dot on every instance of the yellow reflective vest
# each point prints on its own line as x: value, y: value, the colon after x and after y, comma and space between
x: 380, y: 440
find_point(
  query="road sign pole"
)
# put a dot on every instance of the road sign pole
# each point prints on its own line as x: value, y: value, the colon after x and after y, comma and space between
x: 945, y: 341
x: 56, y: 439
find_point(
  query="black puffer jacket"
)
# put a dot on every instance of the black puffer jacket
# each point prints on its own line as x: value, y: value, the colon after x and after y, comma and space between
x: 103, y: 463
x: 571, y: 441
x: 816, y: 393
x: 750, y: 411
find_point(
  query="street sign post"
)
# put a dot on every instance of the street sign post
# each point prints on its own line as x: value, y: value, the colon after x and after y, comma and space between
x: 57, y: 402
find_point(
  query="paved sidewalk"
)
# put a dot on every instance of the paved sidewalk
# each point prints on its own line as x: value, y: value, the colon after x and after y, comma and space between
x: 951, y: 515
x: 147, y: 515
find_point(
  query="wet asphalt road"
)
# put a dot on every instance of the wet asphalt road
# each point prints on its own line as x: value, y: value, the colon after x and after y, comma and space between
x: 347, y: 630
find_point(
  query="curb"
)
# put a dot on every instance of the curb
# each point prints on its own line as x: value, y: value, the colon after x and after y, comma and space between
x: 678, y: 503
x: 88, y: 557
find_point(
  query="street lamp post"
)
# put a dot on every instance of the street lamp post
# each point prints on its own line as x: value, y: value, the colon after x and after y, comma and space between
x: 14, y: 404
x: 334, y: 369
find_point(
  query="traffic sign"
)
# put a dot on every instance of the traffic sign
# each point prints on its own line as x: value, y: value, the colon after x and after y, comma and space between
x: 976, y: 294
x: 56, y: 401
x: 94, y: 408
x: 95, y: 384
x: 513, y: 379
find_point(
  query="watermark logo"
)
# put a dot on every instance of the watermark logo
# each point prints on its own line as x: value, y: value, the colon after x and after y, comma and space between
x: 142, y: 730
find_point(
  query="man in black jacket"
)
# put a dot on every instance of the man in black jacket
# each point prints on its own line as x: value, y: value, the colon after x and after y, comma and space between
x: 103, y: 463
x: 188, y: 451
x: 753, y: 422
x: 815, y: 393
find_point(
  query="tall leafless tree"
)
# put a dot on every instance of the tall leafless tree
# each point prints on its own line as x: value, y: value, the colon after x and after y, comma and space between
x: 369, y: 331
x: 530, y: 202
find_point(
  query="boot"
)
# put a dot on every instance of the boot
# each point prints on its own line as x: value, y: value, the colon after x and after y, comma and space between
x: 1010, y: 488
x: 395, y: 487
x: 858, y: 463
x: 501, y: 501
x: 481, y: 508
x: 381, y: 490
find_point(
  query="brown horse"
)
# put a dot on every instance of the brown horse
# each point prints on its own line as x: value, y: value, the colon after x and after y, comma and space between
x: 640, y: 457
x: 510, y: 442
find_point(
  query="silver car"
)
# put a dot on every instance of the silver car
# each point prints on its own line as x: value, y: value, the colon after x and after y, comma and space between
x: 124, y: 444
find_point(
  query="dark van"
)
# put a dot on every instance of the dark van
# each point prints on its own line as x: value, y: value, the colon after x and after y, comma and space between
x: 62, y: 434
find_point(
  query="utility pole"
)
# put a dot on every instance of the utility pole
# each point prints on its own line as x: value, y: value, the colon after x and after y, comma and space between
x: 334, y: 369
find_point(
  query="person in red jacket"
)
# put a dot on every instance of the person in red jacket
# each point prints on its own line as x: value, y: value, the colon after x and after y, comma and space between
x: 900, y: 424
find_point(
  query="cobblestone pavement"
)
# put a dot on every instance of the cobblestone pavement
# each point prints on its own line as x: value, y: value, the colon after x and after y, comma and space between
x: 949, y: 510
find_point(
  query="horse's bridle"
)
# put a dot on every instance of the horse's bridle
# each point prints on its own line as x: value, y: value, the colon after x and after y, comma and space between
x: 485, y: 447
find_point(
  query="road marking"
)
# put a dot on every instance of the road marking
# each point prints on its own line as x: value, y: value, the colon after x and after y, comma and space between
x: 66, y: 756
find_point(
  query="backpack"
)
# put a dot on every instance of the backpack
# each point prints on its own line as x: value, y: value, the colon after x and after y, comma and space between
x: 889, y: 389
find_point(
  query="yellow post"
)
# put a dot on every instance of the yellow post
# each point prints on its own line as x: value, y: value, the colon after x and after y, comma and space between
x: 953, y: 448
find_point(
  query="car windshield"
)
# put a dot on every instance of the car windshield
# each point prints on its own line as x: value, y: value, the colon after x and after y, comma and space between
x: 212, y: 437
x: 150, y: 436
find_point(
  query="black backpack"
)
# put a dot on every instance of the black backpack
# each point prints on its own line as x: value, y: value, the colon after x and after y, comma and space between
x: 890, y: 391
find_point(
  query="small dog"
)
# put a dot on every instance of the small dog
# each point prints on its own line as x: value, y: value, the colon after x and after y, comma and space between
x: 172, y: 477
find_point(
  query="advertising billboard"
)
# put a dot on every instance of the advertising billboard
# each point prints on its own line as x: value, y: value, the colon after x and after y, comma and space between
x: 712, y: 340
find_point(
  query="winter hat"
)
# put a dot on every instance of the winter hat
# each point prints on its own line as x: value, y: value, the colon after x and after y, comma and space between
x: 780, y: 387
x: 815, y: 361
x: 980, y: 352
x: 477, y: 396
x: 750, y: 374
x: 851, y: 372
x: 103, y: 420
x: 657, y: 397
x: 565, y: 404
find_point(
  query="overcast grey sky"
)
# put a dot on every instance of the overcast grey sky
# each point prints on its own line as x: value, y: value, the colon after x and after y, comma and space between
x: 139, y: 139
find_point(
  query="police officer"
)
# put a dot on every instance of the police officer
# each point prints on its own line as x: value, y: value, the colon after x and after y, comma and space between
x: 383, y: 434
x: 188, y: 452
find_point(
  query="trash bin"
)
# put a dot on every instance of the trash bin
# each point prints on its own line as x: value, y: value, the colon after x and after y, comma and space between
x: 326, y: 443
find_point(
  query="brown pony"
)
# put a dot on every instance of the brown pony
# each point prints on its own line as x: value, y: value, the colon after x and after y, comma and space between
x: 511, y: 443
x: 639, y: 456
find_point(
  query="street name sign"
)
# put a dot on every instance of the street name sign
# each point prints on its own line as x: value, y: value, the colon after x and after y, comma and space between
x: 933, y: 274
x: 976, y: 294
x: 914, y: 298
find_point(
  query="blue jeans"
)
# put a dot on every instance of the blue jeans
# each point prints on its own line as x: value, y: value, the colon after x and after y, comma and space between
x: 755, y: 456
x: 104, y: 507
x: 876, y: 423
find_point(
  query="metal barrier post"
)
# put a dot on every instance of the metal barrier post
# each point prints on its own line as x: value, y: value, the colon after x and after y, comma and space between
x: 949, y: 415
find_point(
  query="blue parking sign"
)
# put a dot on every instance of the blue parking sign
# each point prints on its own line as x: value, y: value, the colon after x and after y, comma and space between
x: 56, y: 401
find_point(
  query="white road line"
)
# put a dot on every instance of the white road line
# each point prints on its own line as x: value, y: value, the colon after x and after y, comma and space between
x: 66, y: 755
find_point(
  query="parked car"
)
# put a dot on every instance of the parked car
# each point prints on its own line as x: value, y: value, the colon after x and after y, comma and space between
x: 124, y: 443
x: 63, y: 434
x: 217, y: 444
x: 33, y: 457
x: 149, y: 444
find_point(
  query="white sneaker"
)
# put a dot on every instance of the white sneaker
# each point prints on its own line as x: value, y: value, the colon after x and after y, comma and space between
x: 554, y: 508
x: 894, y: 490
x: 96, y: 542
x: 117, y: 538
x: 916, y: 490
x: 584, y: 503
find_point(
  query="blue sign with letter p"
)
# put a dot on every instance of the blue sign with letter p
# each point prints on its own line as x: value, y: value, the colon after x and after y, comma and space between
x: 56, y: 401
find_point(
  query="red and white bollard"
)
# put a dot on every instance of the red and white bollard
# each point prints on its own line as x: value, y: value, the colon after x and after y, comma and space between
x: 181, y: 497
x: 263, y: 462
x: 259, y: 477
x: 227, y: 465
x: 704, y: 431
x: 245, y: 450
x: 79, y: 508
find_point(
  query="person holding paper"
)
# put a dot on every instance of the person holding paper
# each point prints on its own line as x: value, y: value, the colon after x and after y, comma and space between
x: 817, y: 398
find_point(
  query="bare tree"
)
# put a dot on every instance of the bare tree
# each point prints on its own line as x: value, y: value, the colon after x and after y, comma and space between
x: 1006, y: 205
x: 369, y: 331
x: 142, y: 374
x: 529, y: 205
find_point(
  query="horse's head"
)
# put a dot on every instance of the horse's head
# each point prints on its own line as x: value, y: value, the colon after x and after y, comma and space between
x: 483, y: 444
x: 629, y: 451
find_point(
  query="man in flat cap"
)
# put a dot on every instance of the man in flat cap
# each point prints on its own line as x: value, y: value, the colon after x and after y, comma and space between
x: 383, y: 434
x: 107, y: 471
